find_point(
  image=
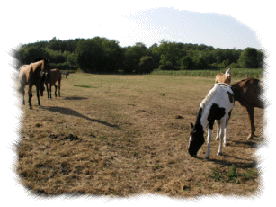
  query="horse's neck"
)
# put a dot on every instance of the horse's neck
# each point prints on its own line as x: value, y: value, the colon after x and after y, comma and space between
x: 204, y: 118
x: 37, y: 66
x: 228, y: 73
x: 206, y: 104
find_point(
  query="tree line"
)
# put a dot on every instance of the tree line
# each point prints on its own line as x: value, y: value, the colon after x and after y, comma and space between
x: 101, y: 55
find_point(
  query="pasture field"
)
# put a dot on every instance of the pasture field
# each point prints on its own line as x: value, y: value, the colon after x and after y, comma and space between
x: 126, y: 135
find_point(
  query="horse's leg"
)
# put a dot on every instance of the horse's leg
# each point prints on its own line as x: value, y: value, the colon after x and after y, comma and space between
x: 49, y: 90
x: 225, y: 137
x: 225, y: 132
x: 23, y: 93
x: 59, y: 88
x: 218, y: 124
x: 55, y: 90
x: 30, y: 96
x: 208, y: 143
x: 221, y: 136
x: 250, y: 111
x: 38, y: 95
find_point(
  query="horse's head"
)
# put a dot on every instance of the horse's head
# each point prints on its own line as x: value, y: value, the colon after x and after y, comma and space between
x: 196, y: 140
x: 228, y: 72
x: 46, y: 66
x: 43, y: 65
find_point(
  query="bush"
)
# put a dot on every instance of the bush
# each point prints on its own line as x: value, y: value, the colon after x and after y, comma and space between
x: 146, y: 65
x: 186, y: 63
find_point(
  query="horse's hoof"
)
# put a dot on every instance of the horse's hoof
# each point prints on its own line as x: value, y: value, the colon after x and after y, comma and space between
x: 225, y: 145
x: 220, y: 154
x: 206, y: 158
x: 30, y: 107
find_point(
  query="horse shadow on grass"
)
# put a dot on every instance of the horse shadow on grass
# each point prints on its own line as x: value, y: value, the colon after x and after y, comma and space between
x: 75, y: 98
x: 71, y: 112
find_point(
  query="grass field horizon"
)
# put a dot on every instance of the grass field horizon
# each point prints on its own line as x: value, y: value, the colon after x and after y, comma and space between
x: 125, y: 135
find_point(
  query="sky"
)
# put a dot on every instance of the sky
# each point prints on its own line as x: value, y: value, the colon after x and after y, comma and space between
x: 129, y: 23
x: 221, y: 24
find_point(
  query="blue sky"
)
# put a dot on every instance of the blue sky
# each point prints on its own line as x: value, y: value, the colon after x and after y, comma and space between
x: 219, y: 31
x: 130, y: 22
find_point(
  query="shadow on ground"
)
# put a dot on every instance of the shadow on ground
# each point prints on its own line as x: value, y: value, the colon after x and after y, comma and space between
x: 71, y: 112
x: 76, y: 98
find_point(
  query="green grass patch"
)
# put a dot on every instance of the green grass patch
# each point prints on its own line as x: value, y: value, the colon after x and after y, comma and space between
x: 232, y: 175
x: 235, y: 72
x: 85, y: 86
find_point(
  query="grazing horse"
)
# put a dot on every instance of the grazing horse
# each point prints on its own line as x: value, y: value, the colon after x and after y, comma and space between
x: 217, y: 105
x: 53, y: 78
x: 248, y: 93
x: 33, y: 74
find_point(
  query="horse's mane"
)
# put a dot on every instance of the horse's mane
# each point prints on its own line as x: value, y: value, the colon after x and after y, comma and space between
x: 213, y: 91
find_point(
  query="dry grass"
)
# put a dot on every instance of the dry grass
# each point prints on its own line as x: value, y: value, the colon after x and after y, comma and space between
x: 123, y: 135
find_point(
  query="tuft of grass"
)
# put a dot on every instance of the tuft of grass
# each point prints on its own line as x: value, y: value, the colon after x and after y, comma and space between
x: 102, y: 138
x: 135, y: 154
x: 232, y: 174
x: 251, y: 174
x: 216, y: 174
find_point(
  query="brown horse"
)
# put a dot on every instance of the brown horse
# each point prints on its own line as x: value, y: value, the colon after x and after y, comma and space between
x: 33, y: 74
x: 53, y: 78
x: 224, y: 78
x: 248, y: 93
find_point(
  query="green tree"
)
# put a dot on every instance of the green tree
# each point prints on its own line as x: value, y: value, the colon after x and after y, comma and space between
x: 28, y: 55
x: 146, y: 65
x: 98, y: 55
x: 186, y: 63
x: 132, y: 57
x: 201, y: 63
x: 260, y: 58
x: 248, y: 58
x: 169, y: 55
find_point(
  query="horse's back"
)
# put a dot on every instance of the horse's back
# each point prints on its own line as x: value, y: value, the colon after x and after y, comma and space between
x: 220, y: 94
x: 55, y: 76
x: 248, y: 92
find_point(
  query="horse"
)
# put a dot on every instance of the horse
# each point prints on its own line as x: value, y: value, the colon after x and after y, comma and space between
x: 216, y: 106
x: 33, y: 74
x: 53, y: 78
x: 65, y: 74
x: 248, y: 93
x: 224, y: 78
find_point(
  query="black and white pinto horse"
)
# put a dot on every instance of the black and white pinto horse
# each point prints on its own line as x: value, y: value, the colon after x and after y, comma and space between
x: 216, y: 106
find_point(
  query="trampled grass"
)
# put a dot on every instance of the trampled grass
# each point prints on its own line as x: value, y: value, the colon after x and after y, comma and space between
x: 128, y: 135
